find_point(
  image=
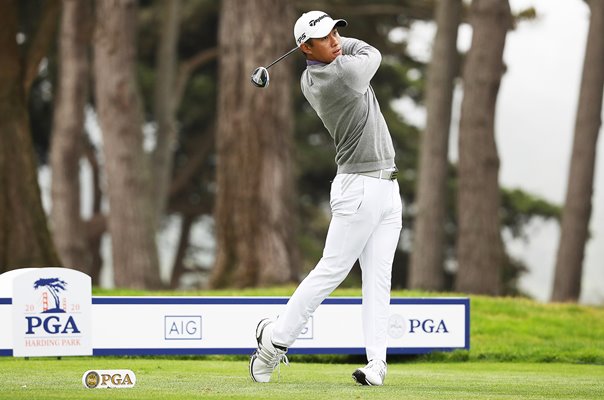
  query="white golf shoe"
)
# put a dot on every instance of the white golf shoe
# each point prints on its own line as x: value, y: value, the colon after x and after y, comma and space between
x: 373, y: 374
x: 268, y: 355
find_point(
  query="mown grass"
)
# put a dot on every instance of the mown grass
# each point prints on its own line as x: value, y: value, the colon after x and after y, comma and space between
x: 219, y: 379
x: 524, y: 330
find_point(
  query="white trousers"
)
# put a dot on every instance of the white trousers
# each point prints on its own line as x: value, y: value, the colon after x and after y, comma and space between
x: 365, y: 225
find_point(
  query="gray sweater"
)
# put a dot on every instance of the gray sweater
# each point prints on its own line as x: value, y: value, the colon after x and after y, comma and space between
x: 341, y: 95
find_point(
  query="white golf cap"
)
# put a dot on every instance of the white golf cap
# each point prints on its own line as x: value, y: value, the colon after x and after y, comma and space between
x: 314, y: 24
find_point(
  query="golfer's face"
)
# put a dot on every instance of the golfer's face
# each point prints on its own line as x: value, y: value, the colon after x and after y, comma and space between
x: 327, y: 48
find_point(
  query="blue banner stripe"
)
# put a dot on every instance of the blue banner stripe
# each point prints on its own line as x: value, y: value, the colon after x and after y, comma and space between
x: 249, y: 351
x: 467, y: 327
x: 253, y: 300
x: 263, y: 300
x: 188, y: 300
x: 6, y: 352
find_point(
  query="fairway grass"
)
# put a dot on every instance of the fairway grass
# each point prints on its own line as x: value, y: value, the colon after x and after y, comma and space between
x: 50, y: 378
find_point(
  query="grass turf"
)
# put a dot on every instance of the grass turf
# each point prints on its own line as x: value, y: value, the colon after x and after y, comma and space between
x: 220, y: 379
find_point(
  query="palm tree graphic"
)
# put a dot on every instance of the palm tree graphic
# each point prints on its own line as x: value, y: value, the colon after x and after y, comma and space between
x: 54, y: 285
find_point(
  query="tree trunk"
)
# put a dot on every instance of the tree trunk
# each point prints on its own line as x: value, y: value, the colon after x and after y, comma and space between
x: 68, y: 135
x: 254, y: 200
x: 40, y: 42
x: 426, y: 270
x: 165, y: 107
x: 132, y: 208
x: 95, y: 237
x: 577, y: 208
x: 25, y: 240
x: 480, y: 250
x: 183, y: 244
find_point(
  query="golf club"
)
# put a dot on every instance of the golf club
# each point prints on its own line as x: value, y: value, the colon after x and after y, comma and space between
x: 260, y: 76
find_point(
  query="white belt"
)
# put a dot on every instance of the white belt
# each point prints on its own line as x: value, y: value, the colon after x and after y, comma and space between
x: 382, y: 174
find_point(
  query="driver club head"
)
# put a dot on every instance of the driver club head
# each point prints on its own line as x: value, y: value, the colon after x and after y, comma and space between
x: 260, y: 77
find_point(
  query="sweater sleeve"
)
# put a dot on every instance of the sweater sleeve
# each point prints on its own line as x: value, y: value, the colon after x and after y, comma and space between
x: 358, y: 64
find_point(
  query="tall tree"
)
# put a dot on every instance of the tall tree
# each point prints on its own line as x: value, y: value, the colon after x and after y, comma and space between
x: 254, y: 205
x: 25, y: 240
x: 68, y: 135
x: 132, y: 208
x: 480, y: 252
x: 426, y: 269
x: 577, y: 207
x: 165, y: 103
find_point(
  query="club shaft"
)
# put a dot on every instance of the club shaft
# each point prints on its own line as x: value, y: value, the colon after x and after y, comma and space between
x: 281, y: 58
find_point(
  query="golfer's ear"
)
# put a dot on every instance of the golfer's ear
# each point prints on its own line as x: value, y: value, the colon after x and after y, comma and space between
x: 305, y: 48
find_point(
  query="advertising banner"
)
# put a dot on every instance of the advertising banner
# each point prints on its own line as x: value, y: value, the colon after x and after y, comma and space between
x: 50, y: 312
x: 226, y: 325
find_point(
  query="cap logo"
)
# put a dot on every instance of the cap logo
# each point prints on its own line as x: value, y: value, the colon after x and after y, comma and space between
x: 316, y: 21
x: 301, y: 38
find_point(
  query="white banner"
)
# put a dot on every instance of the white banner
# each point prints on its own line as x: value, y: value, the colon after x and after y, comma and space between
x: 226, y: 325
x: 33, y: 325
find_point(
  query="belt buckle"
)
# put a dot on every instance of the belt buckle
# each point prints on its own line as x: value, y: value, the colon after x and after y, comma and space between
x: 394, y: 174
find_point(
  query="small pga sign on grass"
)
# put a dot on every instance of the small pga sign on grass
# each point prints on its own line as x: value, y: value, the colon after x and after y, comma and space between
x: 109, y: 378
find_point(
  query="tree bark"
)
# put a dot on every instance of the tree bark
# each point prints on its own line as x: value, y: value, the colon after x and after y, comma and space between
x: 132, y: 208
x: 25, y: 240
x: 68, y: 135
x: 254, y: 200
x: 480, y: 250
x: 95, y: 236
x: 426, y: 269
x: 41, y: 41
x: 178, y: 268
x: 577, y: 207
x: 165, y: 107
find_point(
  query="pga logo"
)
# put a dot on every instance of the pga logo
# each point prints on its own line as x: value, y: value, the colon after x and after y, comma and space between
x: 52, y: 325
x: 398, y: 326
x: 109, y: 378
x: 307, y: 331
x: 54, y: 318
x: 428, y: 326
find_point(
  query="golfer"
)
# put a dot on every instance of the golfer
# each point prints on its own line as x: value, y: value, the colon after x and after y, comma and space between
x: 365, y: 201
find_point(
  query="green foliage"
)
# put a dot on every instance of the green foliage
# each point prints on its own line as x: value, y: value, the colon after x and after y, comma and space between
x: 527, y: 14
x: 519, y: 208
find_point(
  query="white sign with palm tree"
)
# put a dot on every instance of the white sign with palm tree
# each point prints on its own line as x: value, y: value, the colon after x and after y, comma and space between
x: 51, y: 311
